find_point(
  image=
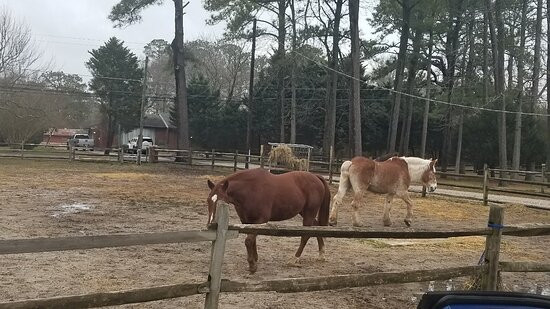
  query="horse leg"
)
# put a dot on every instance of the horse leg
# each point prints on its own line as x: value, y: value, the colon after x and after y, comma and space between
x: 355, y: 204
x: 252, y: 253
x: 387, y: 209
x: 307, y: 221
x: 321, y: 244
x: 406, y: 198
x: 337, y: 200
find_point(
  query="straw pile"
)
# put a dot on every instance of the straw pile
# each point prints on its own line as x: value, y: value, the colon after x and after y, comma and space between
x: 283, y: 155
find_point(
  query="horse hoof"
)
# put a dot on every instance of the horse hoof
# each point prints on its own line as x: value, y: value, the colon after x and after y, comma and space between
x: 357, y: 224
x: 387, y: 223
x: 408, y: 223
x: 252, y: 269
x: 321, y: 258
x: 332, y: 223
x: 294, y: 261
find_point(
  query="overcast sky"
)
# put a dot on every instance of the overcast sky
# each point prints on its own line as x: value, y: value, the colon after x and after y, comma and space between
x: 66, y: 30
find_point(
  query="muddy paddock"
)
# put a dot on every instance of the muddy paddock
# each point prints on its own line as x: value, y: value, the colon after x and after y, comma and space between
x: 58, y: 198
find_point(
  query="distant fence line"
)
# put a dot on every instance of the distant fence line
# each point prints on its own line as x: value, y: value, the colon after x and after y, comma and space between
x: 237, y: 161
x: 220, y: 231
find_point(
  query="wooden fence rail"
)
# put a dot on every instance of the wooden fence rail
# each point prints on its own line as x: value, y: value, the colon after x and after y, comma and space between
x: 248, y: 160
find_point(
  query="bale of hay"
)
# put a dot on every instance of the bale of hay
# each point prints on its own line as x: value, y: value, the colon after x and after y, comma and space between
x: 283, y: 155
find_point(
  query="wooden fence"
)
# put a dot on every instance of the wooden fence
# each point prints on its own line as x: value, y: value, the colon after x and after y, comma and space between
x: 237, y: 161
x: 220, y: 231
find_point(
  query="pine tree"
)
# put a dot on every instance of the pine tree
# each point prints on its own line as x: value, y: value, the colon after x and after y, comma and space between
x: 117, y: 82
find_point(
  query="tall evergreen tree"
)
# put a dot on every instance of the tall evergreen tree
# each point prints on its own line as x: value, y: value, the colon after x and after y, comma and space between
x: 117, y: 82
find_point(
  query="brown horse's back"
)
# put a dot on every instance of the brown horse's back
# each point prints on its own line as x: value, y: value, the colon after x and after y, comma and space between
x: 260, y: 196
x: 381, y: 177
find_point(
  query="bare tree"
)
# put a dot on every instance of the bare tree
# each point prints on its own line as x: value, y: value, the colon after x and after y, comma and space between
x: 17, y: 50
x: 398, y: 82
x: 547, y: 81
x: 521, y: 74
x: 355, y: 106
x: 330, y: 118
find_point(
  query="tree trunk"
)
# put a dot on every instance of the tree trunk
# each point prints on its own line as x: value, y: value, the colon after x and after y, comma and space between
x: 459, y: 141
x: 548, y: 82
x: 293, y: 77
x: 485, y: 66
x: 503, y: 160
x: 516, y: 157
x: 468, y: 75
x: 451, y: 51
x: 181, y: 85
x: 330, y: 117
x: 497, y: 39
x: 110, y: 135
x: 280, y: 58
x: 536, y: 60
x: 428, y: 94
x: 398, y: 82
x: 411, y: 81
x: 356, y: 73
x: 251, y: 109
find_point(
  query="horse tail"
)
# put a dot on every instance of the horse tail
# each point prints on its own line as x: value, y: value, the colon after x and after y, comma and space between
x: 322, y: 217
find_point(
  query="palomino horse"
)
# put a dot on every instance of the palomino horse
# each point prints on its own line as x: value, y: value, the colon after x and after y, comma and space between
x: 391, y: 177
x: 259, y: 197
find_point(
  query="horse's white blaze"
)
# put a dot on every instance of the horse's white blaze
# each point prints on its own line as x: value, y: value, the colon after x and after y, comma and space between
x: 214, y: 198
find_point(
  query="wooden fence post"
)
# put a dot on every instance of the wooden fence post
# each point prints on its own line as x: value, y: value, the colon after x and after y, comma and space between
x: 120, y: 156
x: 247, y: 161
x: 153, y: 154
x: 70, y: 153
x: 22, y: 150
x: 190, y: 156
x: 235, y: 161
x: 213, y: 159
x: 330, y: 158
x: 261, y: 156
x: 216, y: 257
x: 423, y: 191
x: 308, y: 158
x: 543, y: 172
x: 489, y: 279
x: 485, y: 184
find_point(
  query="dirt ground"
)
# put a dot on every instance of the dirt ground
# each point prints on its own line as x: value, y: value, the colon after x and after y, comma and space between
x: 58, y: 198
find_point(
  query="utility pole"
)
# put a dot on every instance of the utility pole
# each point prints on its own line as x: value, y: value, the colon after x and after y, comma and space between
x: 141, y: 111
x: 251, y: 89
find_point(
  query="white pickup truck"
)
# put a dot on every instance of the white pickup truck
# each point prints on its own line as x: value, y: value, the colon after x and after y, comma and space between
x: 132, y: 146
x: 82, y: 141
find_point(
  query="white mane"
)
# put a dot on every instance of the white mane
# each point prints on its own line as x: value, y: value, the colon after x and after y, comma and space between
x: 417, y: 167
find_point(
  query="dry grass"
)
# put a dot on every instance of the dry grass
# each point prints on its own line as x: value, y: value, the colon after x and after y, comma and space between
x: 283, y: 155
x: 161, y: 197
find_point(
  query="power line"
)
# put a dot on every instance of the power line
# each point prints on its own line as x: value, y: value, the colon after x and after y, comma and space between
x: 423, y: 98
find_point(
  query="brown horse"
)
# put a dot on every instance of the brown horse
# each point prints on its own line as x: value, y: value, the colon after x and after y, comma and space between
x: 259, y: 197
x: 391, y: 177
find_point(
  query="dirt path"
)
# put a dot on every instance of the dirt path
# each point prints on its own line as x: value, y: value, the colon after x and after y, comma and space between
x: 58, y: 198
x: 495, y: 198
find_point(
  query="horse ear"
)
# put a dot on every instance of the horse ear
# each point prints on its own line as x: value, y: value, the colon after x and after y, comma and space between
x: 435, y: 161
x: 211, y: 185
x: 225, y: 185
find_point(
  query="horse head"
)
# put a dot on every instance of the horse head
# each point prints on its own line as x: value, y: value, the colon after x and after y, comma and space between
x: 217, y: 192
x: 429, y: 179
